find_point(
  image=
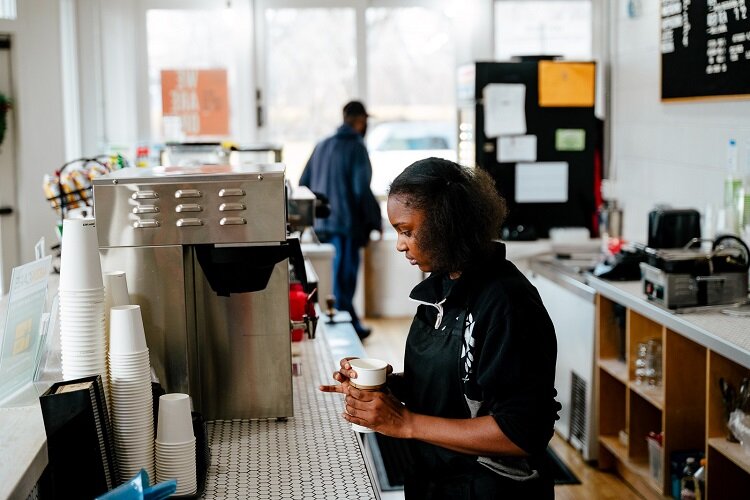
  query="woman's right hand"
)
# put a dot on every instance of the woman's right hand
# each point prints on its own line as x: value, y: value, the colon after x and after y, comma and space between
x: 342, y: 376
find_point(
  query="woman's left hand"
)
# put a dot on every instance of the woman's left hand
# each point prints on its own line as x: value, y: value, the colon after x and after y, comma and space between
x: 379, y: 411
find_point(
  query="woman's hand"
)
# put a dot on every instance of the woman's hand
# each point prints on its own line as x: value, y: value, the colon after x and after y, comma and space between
x: 343, y: 375
x: 379, y: 411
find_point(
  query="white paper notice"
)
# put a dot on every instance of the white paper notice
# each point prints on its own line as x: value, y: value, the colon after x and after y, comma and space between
x: 504, y: 109
x: 543, y: 182
x: 512, y: 148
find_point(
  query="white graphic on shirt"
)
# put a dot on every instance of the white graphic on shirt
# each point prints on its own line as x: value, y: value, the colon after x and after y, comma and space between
x: 467, y: 349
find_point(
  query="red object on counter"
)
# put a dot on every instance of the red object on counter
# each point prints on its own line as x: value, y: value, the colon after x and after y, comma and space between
x: 297, y: 308
x: 614, y: 245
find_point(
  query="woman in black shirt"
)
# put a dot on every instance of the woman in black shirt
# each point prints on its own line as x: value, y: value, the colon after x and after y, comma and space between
x: 476, y: 399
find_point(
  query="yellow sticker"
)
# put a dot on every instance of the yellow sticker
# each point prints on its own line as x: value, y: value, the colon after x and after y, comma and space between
x: 565, y: 84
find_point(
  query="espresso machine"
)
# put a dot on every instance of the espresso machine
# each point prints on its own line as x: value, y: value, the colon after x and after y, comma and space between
x: 206, y: 254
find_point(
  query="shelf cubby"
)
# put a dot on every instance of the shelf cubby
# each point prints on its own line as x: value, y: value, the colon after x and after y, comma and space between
x: 720, y: 367
x: 643, y: 417
x: 653, y: 394
x: 616, y: 368
x: 636, y: 472
x: 611, y: 338
x: 732, y: 451
x: 639, y: 329
x: 612, y: 407
x: 684, y: 380
x: 724, y: 478
x: 728, y: 464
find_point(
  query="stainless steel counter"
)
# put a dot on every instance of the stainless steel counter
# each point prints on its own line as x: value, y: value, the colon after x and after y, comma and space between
x: 567, y: 273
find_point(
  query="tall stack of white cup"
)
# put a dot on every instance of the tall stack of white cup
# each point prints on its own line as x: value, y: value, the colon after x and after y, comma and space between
x: 175, y: 443
x: 130, y: 391
x: 82, y: 333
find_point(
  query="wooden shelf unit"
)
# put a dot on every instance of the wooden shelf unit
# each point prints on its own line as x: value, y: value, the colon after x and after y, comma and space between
x: 684, y: 406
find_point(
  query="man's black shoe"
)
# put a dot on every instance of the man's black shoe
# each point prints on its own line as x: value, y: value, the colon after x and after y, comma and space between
x: 364, y: 333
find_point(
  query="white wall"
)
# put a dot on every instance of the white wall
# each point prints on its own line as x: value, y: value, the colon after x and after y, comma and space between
x: 38, y: 111
x: 663, y: 152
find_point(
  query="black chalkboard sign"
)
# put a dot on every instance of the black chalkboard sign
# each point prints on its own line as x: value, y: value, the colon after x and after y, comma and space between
x: 705, y: 48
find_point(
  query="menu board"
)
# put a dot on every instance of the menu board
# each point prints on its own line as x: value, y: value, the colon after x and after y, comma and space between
x: 705, y: 48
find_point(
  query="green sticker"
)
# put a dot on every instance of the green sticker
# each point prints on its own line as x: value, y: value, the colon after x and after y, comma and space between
x: 570, y: 139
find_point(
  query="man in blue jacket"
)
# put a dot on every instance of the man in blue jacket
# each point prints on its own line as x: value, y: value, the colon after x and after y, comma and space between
x: 340, y: 169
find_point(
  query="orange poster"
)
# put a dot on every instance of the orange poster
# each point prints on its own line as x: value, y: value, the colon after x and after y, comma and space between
x: 199, y: 97
x: 564, y: 84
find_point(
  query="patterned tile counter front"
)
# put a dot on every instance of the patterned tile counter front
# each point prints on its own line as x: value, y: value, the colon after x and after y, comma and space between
x: 314, y: 455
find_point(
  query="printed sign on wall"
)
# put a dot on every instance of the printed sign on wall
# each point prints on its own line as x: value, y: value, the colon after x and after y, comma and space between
x: 199, y: 97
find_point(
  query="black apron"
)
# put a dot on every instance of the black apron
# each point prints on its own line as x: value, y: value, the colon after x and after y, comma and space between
x: 433, y: 374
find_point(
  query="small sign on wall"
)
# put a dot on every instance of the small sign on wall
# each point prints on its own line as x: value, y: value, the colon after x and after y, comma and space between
x: 199, y: 98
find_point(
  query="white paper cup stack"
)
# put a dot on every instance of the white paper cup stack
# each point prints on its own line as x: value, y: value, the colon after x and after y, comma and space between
x: 82, y: 333
x: 175, y: 443
x: 130, y: 391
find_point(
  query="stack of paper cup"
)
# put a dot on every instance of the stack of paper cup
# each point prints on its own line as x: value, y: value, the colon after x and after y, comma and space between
x: 175, y: 443
x: 82, y: 334
x: 130, y: 391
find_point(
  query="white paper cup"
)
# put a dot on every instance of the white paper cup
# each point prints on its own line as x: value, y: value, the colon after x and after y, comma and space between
x: 126, y: 330
x: 116, y: 288
x: 80, y: 267
x: 371, y: 373
x: 175, y: 420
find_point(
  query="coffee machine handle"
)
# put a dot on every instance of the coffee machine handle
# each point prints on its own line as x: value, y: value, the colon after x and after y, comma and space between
x: 298, y: 262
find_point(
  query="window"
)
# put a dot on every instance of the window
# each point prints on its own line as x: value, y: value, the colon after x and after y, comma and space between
x: 401, y: 64
x: 411, y: 89
x: 196, y: 51
x: 311, y: 66
x: 543, y: 27
x: 7, y: 9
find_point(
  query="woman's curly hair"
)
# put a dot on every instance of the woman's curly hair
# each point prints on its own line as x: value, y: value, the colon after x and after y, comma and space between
x: 463, y: 210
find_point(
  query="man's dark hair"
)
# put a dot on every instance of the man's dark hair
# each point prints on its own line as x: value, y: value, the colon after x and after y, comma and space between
x: 354, y: 109
x: 463, y: 211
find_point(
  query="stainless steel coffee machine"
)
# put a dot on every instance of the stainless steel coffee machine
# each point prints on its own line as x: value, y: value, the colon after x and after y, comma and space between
x: 206, y: 254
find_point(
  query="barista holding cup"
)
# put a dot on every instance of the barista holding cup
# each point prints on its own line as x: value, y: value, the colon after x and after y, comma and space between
x: 476, y: 399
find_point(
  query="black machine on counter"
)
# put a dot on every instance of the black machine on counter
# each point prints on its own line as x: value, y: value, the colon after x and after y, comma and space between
x: 689, y: 277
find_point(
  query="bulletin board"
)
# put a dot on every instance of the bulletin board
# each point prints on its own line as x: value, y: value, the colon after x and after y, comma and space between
x: 549, y: 178
x: 705, y: 50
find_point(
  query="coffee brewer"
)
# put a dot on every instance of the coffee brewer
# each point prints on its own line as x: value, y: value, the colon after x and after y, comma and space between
x: 205, y: 250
